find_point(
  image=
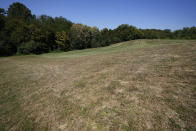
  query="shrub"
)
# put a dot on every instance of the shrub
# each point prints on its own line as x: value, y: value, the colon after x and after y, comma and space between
x: 32, y: 47
x: 5, y: 49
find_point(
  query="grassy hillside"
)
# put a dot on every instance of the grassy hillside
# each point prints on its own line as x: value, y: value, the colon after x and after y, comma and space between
x: 137, y: 85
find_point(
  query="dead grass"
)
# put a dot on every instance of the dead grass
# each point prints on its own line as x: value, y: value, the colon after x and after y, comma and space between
x: 136, y: 85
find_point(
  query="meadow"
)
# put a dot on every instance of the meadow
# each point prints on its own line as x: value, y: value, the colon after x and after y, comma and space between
x: 133, y: 85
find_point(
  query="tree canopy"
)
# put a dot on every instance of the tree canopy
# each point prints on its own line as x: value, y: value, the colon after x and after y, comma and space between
x: 20, y: 11
x: 25, y: 33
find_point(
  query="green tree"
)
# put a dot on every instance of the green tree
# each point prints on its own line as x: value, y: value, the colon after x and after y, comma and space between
x: 5, y: 49
x: 80, y: 36
x: 124, y: 32
x: 2, y: 18
x: 2, y: 11
x: 95, y: 37
x: 62, y: 41
x: 19, y: 11
x: 14, y: 33
x: 62, y: 24
x: 193, y: 32
x: 32, y: 47
x: 106, y: 37
x: 20, y: 34
x: 127, y: 32
x: 35, y: 33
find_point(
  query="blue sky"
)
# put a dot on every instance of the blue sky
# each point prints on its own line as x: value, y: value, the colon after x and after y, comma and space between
x: 160, y: 14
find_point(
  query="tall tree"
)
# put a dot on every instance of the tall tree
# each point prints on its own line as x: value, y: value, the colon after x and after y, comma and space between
x: 80, y: 36
x: 2, y: 18
x: 106, y: 37
x: 95, y: 37
x: 124, y: 32
x: 62, y: 40
x: 19, y: 11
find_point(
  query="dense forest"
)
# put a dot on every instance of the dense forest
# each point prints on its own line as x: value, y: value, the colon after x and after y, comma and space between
x: 22, y: 32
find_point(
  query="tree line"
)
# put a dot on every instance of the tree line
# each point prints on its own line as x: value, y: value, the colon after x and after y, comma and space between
x: 22, y: 32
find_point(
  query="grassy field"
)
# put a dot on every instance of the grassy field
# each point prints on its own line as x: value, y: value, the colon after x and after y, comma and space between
x: 135, y: 85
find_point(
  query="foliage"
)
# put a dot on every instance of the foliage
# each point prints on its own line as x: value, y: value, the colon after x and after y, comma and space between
x: 2, y: 18
x: 20, y: 11
x: 20, y: 34
x: 185, y: 33
x: 62, y: 24
x: 124, y: 32
x: 95, y: 37
x: 27, y: 33
x: 5, y: 49
x: 80, y: 36
x: 62, y: 41
x: 106, y: 37
x: 32, y: 47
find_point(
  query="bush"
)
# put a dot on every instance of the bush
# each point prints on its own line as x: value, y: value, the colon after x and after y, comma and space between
x: 5, y: 49
x: 32, y: 47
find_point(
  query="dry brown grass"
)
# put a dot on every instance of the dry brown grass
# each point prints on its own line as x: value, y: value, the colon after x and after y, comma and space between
x: 146, y: 88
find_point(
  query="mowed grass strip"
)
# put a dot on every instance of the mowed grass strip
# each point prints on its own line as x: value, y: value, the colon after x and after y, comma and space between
x: 134, y: 85
x: 124, y: 46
